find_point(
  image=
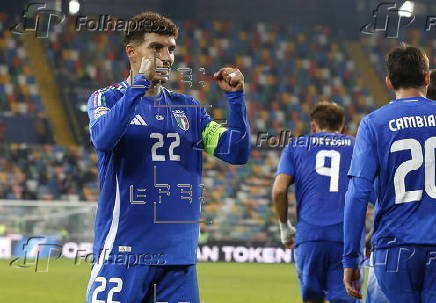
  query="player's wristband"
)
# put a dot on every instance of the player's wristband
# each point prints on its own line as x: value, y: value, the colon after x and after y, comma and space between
x: 350, y: 262
x: 287, y: 231
x: 140, y: 81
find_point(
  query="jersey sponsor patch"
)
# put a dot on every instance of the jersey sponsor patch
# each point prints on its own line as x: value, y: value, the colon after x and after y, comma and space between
x: 124, y: 248
x: 100, y: 111
x: 182, y: 120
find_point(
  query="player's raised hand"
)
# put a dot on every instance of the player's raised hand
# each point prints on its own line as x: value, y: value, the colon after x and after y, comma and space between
x: 352, y: 282
x: 229, y: 79
x: 148, y: 68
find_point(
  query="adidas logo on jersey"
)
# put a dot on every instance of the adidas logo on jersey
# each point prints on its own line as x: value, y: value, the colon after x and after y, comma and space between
x: 138, y: 121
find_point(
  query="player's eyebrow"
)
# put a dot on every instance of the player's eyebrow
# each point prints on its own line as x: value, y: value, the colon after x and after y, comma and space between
x: 155, y: 45
x: 160, y: 45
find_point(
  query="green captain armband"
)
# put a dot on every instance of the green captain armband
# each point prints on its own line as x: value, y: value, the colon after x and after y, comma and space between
x: 210, y: 135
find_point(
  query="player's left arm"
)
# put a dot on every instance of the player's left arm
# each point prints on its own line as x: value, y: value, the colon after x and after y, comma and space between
x: 363, y: 170
x: 231, y: 143
x: 284, y: 178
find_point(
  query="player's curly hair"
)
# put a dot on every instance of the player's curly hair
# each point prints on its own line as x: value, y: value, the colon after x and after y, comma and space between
x: 149, y: 22
x: 328, y: 115
x: 431, y: 92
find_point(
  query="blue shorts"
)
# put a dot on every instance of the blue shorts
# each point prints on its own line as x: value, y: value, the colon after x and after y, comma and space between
x: 320, y: 271
x: 402, y: 274
x: 143, y: 284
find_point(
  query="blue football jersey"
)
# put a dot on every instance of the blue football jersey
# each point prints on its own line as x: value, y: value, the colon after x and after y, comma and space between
x: 319, y: 163
x: 396, y: 144
x: 150, y: 165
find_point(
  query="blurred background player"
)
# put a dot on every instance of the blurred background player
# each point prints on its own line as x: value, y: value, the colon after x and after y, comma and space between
x: 396, y: 143
x: 318, y: 165
x: 149, y: 142
x: 431, y: 91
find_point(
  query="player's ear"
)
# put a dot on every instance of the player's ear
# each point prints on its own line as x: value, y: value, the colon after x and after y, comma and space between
x: 131, y: 53
x: 343, y: 129
x: 389, y: 83
x: 313, y: 127
x: 427, y: 78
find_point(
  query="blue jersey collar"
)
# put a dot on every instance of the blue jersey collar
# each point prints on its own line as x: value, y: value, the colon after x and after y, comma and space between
x: 411, y: 99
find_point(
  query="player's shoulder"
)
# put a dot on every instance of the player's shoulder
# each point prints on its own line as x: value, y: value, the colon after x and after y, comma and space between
x: 108, y: 95
x: 389, y: 107
x: 377, y: 116
x: 296, y: 143
x: 114, y: 88
x: 395, y: 107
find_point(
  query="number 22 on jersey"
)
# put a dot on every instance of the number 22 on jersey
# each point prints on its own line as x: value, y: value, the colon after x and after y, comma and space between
x: 155, y: 156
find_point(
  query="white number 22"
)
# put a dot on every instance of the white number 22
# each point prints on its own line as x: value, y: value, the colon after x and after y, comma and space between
x: 160, y: 143
x: 333, y: 170
x: 102, y: 287
x: 401, y: 195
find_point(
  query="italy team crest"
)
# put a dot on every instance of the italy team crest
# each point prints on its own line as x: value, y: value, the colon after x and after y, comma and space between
x: 182, y: 120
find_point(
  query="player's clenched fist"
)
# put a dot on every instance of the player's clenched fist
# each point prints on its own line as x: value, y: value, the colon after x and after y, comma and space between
x: 229, y: 79
x: 148, y: 68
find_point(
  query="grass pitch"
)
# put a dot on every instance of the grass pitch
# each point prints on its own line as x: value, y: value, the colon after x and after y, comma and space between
x: 66, y: 282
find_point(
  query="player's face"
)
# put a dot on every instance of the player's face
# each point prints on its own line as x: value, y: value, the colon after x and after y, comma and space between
x: 161, y: 45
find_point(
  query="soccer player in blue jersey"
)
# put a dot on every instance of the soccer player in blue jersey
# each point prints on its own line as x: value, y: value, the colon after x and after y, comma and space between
x: 396, y: 145
x: 149, y: 142
x: 317, y: 164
